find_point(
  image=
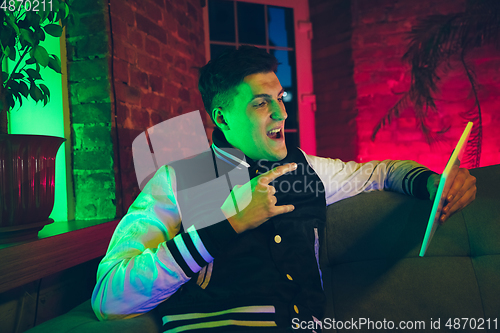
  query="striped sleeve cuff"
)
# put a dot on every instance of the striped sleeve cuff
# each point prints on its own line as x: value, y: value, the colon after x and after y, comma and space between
x: 194, y: 249
x: 415, y: 182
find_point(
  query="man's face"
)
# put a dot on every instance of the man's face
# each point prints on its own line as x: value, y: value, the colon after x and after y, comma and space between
x: 256, y: 120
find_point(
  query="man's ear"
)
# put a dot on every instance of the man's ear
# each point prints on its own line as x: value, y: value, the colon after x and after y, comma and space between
x: 218, y: 117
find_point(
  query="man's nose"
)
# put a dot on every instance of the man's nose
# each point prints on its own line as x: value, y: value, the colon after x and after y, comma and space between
x: 279, y: 112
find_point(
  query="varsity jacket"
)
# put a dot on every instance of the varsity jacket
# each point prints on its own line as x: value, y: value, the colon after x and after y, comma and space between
x: 211, y: 277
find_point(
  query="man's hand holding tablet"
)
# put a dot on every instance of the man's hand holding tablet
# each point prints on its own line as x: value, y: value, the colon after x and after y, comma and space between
x: 461, y: 193
x: 454, y: 189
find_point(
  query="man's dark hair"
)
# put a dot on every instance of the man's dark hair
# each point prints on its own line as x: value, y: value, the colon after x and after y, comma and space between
x: 220, y: 76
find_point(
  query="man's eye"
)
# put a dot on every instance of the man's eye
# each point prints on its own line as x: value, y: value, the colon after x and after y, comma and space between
x: 280, y: 99
x: 261, y: 104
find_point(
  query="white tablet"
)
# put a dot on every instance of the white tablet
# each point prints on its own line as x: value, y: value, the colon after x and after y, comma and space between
x: 449, y: 173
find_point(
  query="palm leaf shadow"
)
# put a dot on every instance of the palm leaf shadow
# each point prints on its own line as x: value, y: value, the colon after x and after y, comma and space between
x: 433, y: 42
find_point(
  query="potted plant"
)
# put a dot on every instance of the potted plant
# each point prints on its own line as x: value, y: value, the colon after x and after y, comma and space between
x: 27, y: 162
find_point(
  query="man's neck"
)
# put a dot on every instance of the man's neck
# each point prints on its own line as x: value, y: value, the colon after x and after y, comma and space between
x: 219, y: 139
x: 221, y: 142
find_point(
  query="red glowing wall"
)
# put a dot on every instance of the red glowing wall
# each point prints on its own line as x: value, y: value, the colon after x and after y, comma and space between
x: 370, y: 42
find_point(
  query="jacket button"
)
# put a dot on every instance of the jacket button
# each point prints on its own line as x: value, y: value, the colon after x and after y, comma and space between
x: 296, y: 309
x: 289, y: 277
x: 257, y: 171
x: 277, y: 239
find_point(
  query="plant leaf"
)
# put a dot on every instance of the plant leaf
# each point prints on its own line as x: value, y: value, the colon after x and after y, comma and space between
x: 35, y: 93
x: 38, y: 93
x: 33, y: 74
x: 13, y: 87
x: 56, y: 5
x: 66, y: 9
x: 32, y: 92
x: 9, y: 99
x: 45, y: 91
x: 39, y: 35
x: 55, y: 63
x: 23, y: 43
x: 25, y: 24
x: 17, y: 96
x: 30, y: 61
x: 433, y: 41
x: 54, y: 30
x: 11, y: 20
x: 472, y: 154
x: 27, y: 35
x: 59, y: 7
x: 23, y: 89
x: 49, y: 8
x: 16, y: 76
x: 41, y: 56
x: 12, y: 55
x: 6, y: 51
x: 44, y: 13
x: 33, y: 18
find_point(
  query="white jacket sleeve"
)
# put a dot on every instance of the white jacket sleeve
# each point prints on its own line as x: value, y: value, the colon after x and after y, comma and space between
x: 346, y: 179
x: 148, y: 260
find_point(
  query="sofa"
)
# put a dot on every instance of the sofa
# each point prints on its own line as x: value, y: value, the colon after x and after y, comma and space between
x: 373, y: 276
x: 372, y: 269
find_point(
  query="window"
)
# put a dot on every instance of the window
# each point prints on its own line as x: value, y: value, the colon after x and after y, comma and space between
x: 283, y: 29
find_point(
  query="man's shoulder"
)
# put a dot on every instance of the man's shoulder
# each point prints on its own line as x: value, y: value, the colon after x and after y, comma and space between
x: 194, y: 170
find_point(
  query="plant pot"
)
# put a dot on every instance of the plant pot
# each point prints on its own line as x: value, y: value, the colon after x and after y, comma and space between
x: 27, y: 175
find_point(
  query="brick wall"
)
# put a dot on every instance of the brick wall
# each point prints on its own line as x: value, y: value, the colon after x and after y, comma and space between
x: 379, y: 29
x: 157, y: 44
x: 90, y: 105
x: 136, y: 64
x: 333, y: 78
x: 378, y: 43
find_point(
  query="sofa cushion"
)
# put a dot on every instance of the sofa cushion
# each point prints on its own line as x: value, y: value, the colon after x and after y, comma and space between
x: 404, y: 289
x: 371, y: 267
x: 482, y: 217
x: 378, y: 225
x: 487, y: 270
x: 83, y: 320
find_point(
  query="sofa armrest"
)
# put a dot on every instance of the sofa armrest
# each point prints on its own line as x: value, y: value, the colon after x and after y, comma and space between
x: 382, y: 224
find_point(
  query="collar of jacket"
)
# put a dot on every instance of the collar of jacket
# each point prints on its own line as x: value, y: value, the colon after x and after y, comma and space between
x: 224, y: 151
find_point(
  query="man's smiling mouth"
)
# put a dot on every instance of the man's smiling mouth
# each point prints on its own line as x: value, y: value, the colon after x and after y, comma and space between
x: 275, y: 133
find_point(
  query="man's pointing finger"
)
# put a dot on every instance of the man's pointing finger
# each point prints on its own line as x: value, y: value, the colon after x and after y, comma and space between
x: 272, y: 174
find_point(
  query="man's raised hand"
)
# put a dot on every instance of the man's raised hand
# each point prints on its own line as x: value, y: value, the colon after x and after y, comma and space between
x: 261, y: 200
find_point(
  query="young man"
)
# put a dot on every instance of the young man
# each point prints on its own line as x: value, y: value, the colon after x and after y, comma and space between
x: 258, y: 268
